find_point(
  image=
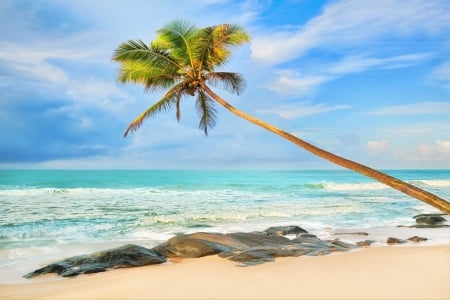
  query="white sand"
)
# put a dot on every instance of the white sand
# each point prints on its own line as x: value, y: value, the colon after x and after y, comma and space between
x: 391, y: 272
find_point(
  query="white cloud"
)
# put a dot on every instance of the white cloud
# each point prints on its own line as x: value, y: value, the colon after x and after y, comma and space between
x: 101, y: 94
x: 353, y: 22
x: 421, y: 108
x: 441, y: 74
x: 291, y: 83
x: 355, y: 64
x: 377, y: 147
x: 302, y: 110
x: 443, y: 146
x: 425, y: 150
x: 34, y: 62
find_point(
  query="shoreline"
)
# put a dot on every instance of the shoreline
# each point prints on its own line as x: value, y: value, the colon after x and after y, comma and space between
x: 382, y: 272
x: 12, y: 273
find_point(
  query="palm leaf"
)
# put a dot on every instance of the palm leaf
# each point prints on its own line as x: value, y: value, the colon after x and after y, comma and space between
x: 217, y: 41
x: 150, y: 57
x: 164, y: 104
x: 206, y: 110
x: 153, y: 79
x: 178, y: 37
x: 231, y: 82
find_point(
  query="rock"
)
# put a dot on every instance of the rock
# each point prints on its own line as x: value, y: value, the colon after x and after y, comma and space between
x: 259, y: 255
x: 342, y: 246
x: 393, y: 240
x: 195, y: 245
x: 285, y: 230
x: 122, y: 257
x: 417, y: 239
x: 207, y: 243
x: 247, y: 248
x: 430, y: 219
x: 365, y: 243
x: 352, y: 233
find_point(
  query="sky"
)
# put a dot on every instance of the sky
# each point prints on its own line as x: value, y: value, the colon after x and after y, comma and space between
x: 367, y: 80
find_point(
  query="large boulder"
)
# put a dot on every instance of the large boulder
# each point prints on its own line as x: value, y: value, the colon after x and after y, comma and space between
x: 196, y: 245
x: 122, y: 257
x: 208, y: 243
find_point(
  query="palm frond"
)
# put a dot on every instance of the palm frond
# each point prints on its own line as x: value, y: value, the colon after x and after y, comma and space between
x: 178, y: 37
x: 206, y: 110
x: 217, y: 41
x: 151, y: 57
x: 153, y: 79
x: 164, y: 104
x: 232, y: 82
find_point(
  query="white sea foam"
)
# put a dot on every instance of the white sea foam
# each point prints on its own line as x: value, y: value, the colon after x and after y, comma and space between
x: 432, y: 183
x: 353, y: 186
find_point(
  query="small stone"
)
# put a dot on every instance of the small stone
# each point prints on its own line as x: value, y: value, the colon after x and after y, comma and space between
x: 417, y: 239
x: 365, y: 243
x: 393, y: 240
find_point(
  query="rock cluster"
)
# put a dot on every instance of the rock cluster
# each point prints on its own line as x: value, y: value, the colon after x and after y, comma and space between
x: 246, y: 248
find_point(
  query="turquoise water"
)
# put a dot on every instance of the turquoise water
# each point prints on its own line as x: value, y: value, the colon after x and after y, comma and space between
x: 43, y: 211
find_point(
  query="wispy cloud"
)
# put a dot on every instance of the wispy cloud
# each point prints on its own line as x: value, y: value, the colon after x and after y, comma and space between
x: 441, y: 74
x: 302, y: 109
x: 359, y: 63
x: 421, y: 108
x: 377, y: 147
x: 353, y: 22
x: 289, y: 82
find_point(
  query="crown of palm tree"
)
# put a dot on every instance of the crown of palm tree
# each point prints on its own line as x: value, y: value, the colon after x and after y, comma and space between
x: 179, y: 59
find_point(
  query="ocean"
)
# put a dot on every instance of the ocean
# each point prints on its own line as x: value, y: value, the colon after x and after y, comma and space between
x: 52, y: 214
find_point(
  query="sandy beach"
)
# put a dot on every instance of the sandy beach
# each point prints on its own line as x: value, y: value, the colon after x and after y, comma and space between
x: 384, y: 272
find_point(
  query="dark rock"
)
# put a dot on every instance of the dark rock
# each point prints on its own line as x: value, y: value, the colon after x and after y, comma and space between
x: 342, y: 246
x: 206, y: 243
x: 393, y: 240
x: 352, y: 233
x: 251, y: 240
x: 430, y: 219
x: 259, y: 255
x: 247, y: 248
x: 285, y: 230
x: 196, y: 245
x: 417, y: 239
x: 365, y: 243
x: 122, y: 257
x: 425, y: 226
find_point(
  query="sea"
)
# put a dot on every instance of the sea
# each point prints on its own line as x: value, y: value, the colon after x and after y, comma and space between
x: 46, y: 215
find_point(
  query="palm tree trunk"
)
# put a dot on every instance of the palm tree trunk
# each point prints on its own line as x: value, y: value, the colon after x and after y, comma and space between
x: 393, y: 182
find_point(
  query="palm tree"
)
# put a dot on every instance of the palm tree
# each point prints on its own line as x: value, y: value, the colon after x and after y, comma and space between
x: 183, y: 59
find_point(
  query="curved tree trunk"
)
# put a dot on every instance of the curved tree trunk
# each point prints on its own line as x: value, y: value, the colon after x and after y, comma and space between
x: 393, y: 182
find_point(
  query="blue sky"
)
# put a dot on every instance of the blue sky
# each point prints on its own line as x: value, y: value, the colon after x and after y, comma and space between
x: 368, y: 80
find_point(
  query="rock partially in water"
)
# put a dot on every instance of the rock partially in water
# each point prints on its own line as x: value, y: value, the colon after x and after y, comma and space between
x: 285, y: 230
x: 365, y: 243
x: 122, y: 257
x: 430, y: 219
x: 393, y: 240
